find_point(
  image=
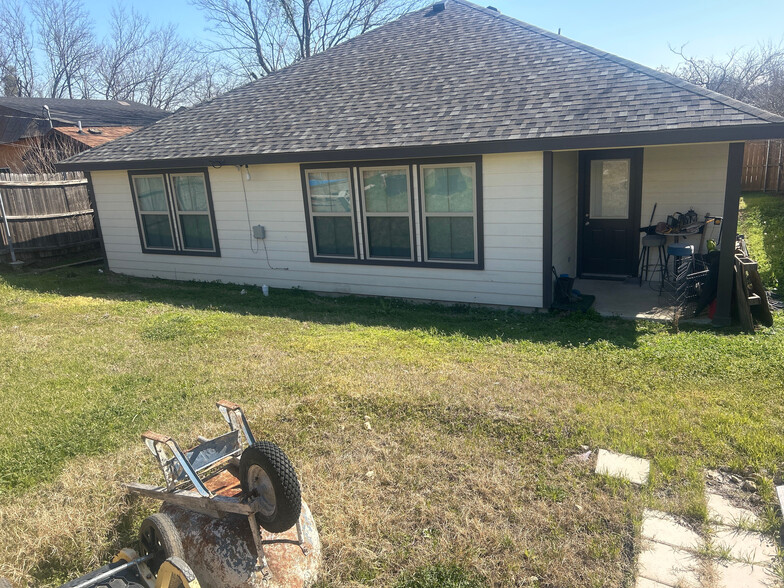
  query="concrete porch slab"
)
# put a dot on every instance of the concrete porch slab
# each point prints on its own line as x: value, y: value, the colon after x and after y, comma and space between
x: 628, y: 300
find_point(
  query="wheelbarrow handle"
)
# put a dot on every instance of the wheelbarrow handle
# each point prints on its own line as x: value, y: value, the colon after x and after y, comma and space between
x: 158, y: 438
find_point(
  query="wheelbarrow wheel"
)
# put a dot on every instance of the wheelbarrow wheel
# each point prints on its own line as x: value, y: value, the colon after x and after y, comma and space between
x: 159, y: 538
x: 268, y: 477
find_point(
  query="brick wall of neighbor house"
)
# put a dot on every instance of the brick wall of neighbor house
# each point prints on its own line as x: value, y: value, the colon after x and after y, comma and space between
x: 565, y: 167
x: 680, y: 177
x: 512, y: 233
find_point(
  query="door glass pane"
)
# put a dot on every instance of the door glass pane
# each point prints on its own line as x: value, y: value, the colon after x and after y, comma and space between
x: 329, y: 191
x: 334, y: 235
x: 450, y: 238
x: 191, y: 193
x: 385, y: 190
x: 150, y: 193
x: 449, y: 189
x: 196, y: 232
x: 609, y: 188
x: 157, y: 231
x: 389, y: 236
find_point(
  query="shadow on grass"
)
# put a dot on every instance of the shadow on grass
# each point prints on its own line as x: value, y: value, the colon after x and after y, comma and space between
x: 477, y: 323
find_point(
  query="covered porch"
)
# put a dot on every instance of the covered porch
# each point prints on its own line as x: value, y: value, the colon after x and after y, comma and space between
x: 599, y: 200
x: 627, y: 299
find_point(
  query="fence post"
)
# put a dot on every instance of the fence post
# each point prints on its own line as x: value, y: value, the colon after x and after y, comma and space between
x: 15, y: 264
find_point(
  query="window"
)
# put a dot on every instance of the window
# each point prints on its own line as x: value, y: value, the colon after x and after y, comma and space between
x: 396, y: 213
x: 329, y: 198
x: 449, y: 204
x: 174, y: 211
x: 387, y: 206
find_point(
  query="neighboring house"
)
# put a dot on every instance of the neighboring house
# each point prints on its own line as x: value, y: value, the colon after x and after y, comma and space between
x: 42, y: 130
x: 452, y: 155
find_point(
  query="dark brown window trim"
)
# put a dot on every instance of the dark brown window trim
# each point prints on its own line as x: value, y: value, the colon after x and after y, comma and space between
x: 480, y: 258
x: 172, y: 214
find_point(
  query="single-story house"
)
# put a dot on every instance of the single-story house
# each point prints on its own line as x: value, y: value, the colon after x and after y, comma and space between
x: 48, y: 129
x: 454, y: 155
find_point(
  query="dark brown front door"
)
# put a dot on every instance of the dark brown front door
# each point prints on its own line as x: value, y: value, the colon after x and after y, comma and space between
x: 610, y: 195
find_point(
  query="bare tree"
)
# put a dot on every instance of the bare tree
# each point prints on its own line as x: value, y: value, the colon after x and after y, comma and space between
x: 122, y: 57
x: 172, y: 75
x: 262, y: 36
x: 66, y: 35
x: 17, y: 67
x: 753, y: 75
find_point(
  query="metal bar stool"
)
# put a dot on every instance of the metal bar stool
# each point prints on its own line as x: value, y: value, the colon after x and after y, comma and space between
x: 680, y: 252
x: 648, y: 243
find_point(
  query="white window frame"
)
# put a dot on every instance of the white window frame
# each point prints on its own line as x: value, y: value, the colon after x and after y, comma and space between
x: 366, y: 214
x: 141, y: 213
x: 178, y: 213
x: 425, y: 214
x: 351, y: 214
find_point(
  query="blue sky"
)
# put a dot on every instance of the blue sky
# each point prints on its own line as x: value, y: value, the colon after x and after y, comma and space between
x: 637, y: 30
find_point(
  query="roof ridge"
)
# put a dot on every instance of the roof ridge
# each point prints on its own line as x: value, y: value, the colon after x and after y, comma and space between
x: 661, y: 76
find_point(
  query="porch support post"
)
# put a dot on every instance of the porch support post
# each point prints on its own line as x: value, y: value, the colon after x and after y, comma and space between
x: 729, y: 229
x: 547, y: 226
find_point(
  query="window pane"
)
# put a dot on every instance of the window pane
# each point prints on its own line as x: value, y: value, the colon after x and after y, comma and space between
x: 385, y: 190
x: 330, y: 191
x: 450, y: 238
x: 191, y: 192
x: 151, y: 194
x: 196, y: 232
x: 610, y: 188
x: 389, y: 236
x: 333, y: 235
x: 449, y: 189
x: 157, y: 231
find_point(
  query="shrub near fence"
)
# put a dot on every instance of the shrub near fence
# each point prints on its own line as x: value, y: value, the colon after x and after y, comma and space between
x: 47, y: 214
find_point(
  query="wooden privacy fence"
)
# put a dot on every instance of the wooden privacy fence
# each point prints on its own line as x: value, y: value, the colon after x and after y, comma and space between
x: 763, y: 166
x: 46, y: 213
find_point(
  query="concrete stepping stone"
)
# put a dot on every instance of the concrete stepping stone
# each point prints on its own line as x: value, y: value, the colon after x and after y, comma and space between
x: 733, y: 574
x: 646, y: 583
x: 664, y: 528
x: 723, y: 512
x: 634, y: 469
x: 745, y: 546
x: 668, y: 565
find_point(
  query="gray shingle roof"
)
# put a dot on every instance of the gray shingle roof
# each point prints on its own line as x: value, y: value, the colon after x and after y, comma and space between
x: 466, y: 75
x: 97, y: 113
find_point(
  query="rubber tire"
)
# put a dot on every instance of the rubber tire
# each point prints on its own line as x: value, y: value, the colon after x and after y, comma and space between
x: 168, y: 538
x: 288, y: 496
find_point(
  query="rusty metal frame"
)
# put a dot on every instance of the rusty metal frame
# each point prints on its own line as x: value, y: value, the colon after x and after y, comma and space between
x: 200, y: 498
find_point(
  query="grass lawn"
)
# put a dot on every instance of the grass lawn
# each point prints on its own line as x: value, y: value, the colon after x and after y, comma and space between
x: 475, y: 417
x: 762, y: 221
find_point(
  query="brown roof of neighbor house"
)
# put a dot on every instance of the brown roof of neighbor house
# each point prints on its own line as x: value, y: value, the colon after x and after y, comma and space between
x: 465, y: 80
x: 95, y: 136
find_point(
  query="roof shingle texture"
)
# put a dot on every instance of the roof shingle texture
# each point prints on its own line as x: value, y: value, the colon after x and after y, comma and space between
x: 95, y: 113
x: 463, y: 75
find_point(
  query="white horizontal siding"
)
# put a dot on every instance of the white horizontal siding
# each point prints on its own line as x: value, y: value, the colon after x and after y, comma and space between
x: 512, y: 191
x: 680, y: 177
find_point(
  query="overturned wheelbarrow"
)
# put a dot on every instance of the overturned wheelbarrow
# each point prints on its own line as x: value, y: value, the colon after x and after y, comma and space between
x: 237, y: 506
